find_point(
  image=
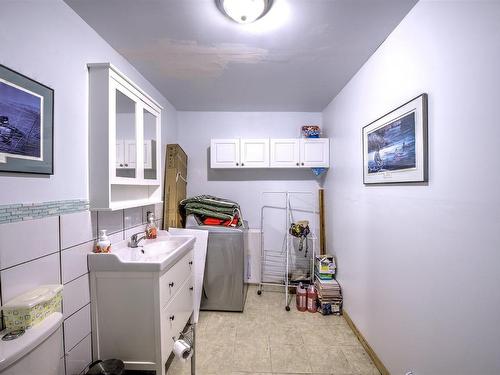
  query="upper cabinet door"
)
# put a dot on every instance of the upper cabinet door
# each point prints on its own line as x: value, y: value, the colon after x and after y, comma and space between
x: 225, y: 153
x: 284, y: 153
x: 125, y: 126
x: 151, y: 141
x: 315, y: 152
x: 254, y: 153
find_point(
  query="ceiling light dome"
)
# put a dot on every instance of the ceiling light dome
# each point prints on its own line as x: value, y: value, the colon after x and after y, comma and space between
x: 244, y: 11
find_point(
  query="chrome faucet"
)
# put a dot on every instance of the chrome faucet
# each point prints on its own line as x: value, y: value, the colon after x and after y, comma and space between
x: 136, y: 238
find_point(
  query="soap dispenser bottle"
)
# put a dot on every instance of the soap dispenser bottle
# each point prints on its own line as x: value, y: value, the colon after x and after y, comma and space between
x: 151, y: 229
x: 103, y: 244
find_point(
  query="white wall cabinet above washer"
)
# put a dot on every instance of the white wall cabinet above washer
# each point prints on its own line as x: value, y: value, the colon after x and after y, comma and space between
x: 254, y: 153
x: 315, y: 152
x: 239, y: 153
x: 285, y: 153
x: 270, y: 153
x: 225, y: 153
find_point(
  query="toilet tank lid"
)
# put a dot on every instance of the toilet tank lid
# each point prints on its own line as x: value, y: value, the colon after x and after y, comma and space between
x: 27, y: 300
x: 12, y: 351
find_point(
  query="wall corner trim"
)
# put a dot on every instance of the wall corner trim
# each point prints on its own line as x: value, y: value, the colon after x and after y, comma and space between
x: 375, y: 359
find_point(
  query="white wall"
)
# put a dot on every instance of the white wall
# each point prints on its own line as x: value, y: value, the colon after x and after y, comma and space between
x: 242, y: 185
x: 419, y: 264
x: 47, y: 41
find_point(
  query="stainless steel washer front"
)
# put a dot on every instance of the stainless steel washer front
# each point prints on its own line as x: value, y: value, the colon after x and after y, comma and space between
x: 224, y: 286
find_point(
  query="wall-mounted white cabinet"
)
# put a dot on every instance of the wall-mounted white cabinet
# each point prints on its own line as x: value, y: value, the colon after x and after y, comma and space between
x: 125, y: 134
x: 315, y: 152
x: 285, y: 153
x: 270, y: 153
x: 254, y: 153
x: 239, y: 153
x: 225, y: 153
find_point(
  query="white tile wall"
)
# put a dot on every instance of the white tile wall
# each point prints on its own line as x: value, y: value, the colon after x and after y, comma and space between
x: 76, y: 327
x: 26, y: 240
x: 133, y: 217
x: 158, y: 211
x: 54, y: 250
x: 74, y: 261
x: 129, y: 232
x: 76, y: 294
x: 27, y: 276
x: 79, y: 357
x: 77, y: 228
x: 112, y: 221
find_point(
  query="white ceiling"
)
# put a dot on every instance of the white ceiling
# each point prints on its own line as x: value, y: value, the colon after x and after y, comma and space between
x: 296, y: 58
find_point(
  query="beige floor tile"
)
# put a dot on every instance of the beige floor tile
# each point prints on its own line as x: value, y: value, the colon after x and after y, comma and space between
x: 360, y: 361
x: 267, y: 339
x: 284, y: 335
x: 290, y: 358
x: 215, y: 359
x: 252, y: 355
x: 330, y: 360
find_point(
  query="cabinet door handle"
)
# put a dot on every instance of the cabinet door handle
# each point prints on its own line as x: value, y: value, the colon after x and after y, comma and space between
x: 121, y: 165
x: 191, y: 288
x: 302, y: 163
x: 237, y: 164
x: 171, y: 284
x: 242, y: 164
x: 126, y: 165
x: 190, y: 262
x: 172, y: 318
x: 297, y: 164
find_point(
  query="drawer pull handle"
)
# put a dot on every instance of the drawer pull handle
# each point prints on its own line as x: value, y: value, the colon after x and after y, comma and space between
x: 172, y: 317
x: 191, y: 263
x: 192, y: 288
x: 171, y: 284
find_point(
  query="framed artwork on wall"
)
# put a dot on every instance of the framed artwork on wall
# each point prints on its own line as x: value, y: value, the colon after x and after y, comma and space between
x: 26, y: 124
x: 395, y: 145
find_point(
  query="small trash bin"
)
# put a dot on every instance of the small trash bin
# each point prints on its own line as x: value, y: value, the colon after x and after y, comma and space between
x: 107, y: 367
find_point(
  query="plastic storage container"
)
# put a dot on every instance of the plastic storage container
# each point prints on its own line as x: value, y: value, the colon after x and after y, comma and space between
x: 32, y: 307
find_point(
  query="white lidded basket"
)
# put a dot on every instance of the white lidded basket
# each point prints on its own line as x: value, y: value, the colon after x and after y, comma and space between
x: 32, y: 307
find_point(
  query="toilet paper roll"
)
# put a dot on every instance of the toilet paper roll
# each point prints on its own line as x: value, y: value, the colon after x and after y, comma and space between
x: 182, y: 350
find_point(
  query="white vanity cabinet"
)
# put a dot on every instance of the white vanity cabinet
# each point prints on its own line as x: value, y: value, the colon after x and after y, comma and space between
x: 137, y: 316
x: 124, y: 136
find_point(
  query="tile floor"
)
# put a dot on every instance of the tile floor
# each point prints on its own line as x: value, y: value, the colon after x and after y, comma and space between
x: 266, y: 339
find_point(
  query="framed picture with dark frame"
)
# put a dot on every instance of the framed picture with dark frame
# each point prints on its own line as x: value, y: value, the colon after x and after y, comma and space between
x: 395, y: 145
x: 26, y: 124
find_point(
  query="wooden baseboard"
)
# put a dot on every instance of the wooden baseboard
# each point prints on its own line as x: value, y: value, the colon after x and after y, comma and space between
x: 376, y: 360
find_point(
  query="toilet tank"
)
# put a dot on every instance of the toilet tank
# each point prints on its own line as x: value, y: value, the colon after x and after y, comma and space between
x: 38, y: 351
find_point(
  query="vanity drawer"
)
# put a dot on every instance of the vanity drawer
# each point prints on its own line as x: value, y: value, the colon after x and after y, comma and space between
x: 175, y: 316
x: 172, y: 280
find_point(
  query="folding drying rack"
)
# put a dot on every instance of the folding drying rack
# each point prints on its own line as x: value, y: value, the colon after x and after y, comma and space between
x: 283, y: 266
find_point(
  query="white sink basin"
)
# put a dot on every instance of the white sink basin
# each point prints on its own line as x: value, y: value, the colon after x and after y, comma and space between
x: 151, y: 255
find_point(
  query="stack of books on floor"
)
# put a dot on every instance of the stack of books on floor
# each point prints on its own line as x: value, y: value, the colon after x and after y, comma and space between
x: 329, y: 293
x: 329, y: 296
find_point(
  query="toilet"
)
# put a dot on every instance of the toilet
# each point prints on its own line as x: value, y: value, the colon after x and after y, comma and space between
x: 39, y: 351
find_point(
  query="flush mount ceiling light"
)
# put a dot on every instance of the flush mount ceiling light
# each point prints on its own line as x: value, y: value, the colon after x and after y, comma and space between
x: 244, y: 11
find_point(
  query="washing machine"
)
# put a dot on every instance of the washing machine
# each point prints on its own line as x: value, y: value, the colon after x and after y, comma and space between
x: 224, y: 287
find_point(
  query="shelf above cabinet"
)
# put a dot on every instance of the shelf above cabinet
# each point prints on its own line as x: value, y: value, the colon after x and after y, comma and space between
x: 270, y: 153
